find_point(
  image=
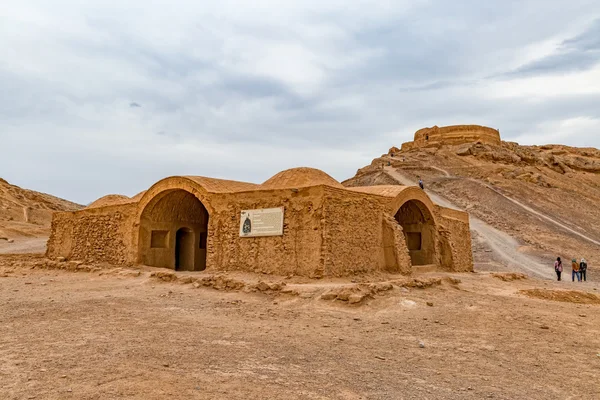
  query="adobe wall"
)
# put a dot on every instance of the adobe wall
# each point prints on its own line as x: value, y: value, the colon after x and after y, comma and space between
x: 456, y: 253
x: 96, y: 235
x: 453, y: 135
x: 297, y: 252
x: 353, y: 235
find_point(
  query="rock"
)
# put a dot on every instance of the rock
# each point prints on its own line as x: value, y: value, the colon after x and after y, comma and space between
x: 164, y: 276
x: 344, y: 295
x: 276, y: 286
x: 356, y: 298
x: 10, y: 240
x: 408, y: 303
x: 61, y: 259
x: 328, y: 296
x: 421, y: 344
x: 262, y: 286
x: 430, y: 304
x: 380, y: 358
x: 544, y: 327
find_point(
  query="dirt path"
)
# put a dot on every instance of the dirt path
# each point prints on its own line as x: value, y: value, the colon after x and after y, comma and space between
x: 505, y: 247
x: 521, y: 205
x: 24, y: 245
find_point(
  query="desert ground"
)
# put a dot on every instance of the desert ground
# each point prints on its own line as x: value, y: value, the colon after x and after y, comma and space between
x: 74, y: 332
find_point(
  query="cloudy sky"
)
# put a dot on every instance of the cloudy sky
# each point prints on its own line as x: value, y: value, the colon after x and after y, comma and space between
x: 108, y: 96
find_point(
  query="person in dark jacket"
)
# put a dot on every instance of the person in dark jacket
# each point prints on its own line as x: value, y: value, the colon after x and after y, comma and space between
x: 583, y: 269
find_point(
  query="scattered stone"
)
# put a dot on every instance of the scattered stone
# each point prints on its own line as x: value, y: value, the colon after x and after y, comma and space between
x: 61, y: 259
x: 380, y: 358
x: 544, y: 327
x: 262, y: 286
x: 63, y: 376
x: 582, y: 315
x: 329, y: 296
x: 356, y: 298
x: 356, y: 319
x: 421, y: 344
x: 430, y: 304
x: 408, y: 303
x: 166, y: 365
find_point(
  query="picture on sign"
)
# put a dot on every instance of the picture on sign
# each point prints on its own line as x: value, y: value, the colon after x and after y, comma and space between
x: 261, y: 222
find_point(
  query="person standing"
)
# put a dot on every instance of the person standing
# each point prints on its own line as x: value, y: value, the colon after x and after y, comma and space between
x: 558, y: 267
x: 575, y: 272
x: 583, y: 269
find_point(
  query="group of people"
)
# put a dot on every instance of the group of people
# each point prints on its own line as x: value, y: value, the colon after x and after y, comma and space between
x: 579, y: 270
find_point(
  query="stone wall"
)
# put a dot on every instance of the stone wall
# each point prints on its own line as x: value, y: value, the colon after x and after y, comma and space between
x: 352, y: 233
x: 99, y: 235
x: 453, y: 135
x: 455, y: 240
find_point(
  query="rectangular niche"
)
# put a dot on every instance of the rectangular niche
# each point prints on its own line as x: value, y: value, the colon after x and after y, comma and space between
x: 413, y: 240
x: 159, y: 239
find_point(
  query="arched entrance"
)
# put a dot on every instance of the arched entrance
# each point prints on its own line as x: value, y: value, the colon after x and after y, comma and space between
x: 173, y: 232
x: 419, y: 231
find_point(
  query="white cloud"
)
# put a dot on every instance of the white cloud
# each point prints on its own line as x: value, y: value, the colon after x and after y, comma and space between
x: 277, y: 84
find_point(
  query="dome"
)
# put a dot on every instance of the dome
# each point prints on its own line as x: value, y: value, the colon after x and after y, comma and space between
x: 300, y: 177
x: 109, y: 200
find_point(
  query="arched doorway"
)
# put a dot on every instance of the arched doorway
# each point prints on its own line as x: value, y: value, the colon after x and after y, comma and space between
x: 173, y: 232
x: 419, y: 231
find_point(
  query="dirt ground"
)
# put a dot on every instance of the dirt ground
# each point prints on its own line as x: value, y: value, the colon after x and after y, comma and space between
x: 115, y: 335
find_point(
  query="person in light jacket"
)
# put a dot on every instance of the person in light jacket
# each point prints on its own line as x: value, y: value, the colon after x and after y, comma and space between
x: 558, y: 268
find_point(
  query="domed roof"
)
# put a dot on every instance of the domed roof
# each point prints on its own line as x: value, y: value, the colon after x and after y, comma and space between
x: 109, y: 200
x: 300, y: 177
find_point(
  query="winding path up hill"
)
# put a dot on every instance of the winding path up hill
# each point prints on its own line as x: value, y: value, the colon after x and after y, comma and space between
x: 543, y: 198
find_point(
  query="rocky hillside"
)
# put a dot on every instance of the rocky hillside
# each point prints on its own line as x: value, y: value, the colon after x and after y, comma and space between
x: 25, y: 213
x: 547, y: 197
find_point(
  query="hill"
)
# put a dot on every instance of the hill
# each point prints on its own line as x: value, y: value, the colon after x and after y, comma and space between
x: 25, y: 216
x: 545, y: 197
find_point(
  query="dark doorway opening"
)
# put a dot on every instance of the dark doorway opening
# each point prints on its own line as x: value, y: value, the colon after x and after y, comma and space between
x: 419, y: 231
x: 184, y: 250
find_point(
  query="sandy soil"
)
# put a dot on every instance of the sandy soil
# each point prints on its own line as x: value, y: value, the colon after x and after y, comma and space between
x: 68, y: 335
x: 24, y: 245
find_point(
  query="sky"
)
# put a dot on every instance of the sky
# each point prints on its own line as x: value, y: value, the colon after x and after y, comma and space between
x: 106, y: 96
